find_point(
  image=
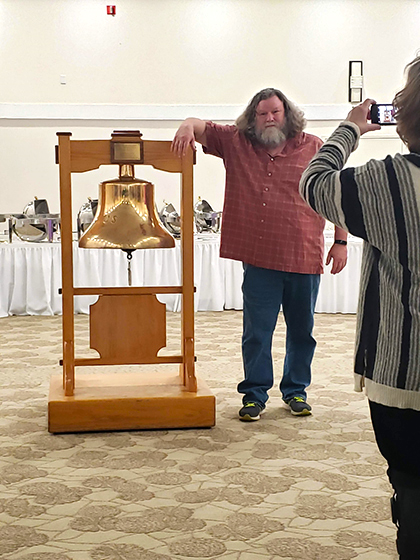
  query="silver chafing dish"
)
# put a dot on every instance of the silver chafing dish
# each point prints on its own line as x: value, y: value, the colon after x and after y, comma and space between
x: 6, y: 219
x: 35, y: 223
x: 206, y: 219
x: 170, y: 219
x: 86, y: 215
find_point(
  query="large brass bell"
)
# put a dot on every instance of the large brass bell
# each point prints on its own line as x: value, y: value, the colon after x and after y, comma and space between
x: 126, y: 217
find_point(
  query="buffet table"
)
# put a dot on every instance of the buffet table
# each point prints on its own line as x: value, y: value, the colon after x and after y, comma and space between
x: 30, y: 276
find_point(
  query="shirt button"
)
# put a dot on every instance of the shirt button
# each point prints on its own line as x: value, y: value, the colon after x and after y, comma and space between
x: 264, y: 204
x: 269, y: 174
x: 272, y: 159
x: 266, y: 189
x: 262, y: 221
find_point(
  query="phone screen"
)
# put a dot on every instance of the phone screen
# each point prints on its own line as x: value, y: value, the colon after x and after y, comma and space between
x: 382, y: 113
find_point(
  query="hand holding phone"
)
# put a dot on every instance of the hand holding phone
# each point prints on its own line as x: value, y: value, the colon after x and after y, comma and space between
x: 382, y: 113
x: 360, y: 114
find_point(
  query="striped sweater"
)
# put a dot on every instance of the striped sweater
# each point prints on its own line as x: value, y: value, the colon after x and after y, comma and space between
x: 380, y: 203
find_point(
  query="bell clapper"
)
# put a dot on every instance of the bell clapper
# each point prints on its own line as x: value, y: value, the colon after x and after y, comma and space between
x: 129, y: 257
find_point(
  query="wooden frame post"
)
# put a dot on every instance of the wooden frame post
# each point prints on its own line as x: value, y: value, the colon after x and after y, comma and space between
x: 66, y: 261
x: 187, y: 250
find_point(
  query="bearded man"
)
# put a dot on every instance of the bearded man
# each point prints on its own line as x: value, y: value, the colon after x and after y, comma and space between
x: 278, y: 238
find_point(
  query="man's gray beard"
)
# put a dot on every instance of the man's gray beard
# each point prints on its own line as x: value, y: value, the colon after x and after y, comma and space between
x: 271, y: 137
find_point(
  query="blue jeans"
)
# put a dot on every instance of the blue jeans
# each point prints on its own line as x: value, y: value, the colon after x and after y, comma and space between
x: 264, y: 292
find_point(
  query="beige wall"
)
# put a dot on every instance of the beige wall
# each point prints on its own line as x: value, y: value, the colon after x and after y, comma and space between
x: 201, y: 51
x: 179, y: 54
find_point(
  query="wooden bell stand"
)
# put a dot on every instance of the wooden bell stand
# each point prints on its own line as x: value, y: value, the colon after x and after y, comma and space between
x: 127, y: 324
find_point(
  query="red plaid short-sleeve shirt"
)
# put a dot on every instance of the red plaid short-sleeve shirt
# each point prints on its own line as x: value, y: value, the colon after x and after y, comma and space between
x: 265, y: 221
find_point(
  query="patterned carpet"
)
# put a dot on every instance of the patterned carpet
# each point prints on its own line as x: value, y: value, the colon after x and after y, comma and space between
x: 283, y: 487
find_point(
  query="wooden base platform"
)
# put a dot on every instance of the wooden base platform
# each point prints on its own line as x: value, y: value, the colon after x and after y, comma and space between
x: 129, y: 401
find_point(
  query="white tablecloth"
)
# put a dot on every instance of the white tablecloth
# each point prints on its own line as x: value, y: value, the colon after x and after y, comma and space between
x: 30, y: 276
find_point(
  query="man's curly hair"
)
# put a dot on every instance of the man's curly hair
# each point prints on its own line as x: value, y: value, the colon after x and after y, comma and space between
x: 294, y: 123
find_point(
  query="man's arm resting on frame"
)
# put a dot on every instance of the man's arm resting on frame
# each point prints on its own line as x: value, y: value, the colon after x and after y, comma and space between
x: 191, y: 130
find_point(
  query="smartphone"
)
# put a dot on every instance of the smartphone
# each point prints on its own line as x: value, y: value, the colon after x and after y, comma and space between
x: 382, y: 113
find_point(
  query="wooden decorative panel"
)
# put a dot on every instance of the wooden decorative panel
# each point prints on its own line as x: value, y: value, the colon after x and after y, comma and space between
x: 130, y: 329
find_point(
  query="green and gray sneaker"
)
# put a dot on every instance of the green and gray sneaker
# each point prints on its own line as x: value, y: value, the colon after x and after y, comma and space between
x: 250, y: 412
x: 299, y: 407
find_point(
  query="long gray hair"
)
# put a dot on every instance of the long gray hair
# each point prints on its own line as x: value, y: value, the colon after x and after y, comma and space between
x: 294, y: 124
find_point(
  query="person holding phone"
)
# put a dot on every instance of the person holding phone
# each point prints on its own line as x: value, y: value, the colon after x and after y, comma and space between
x: 380, y: 202
x: 279, y: 240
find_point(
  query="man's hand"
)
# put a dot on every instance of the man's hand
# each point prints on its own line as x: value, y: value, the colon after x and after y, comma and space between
x: 360, y: 115
x: 183, y: 138
x: 190, y: 131
x: 338, y: 255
